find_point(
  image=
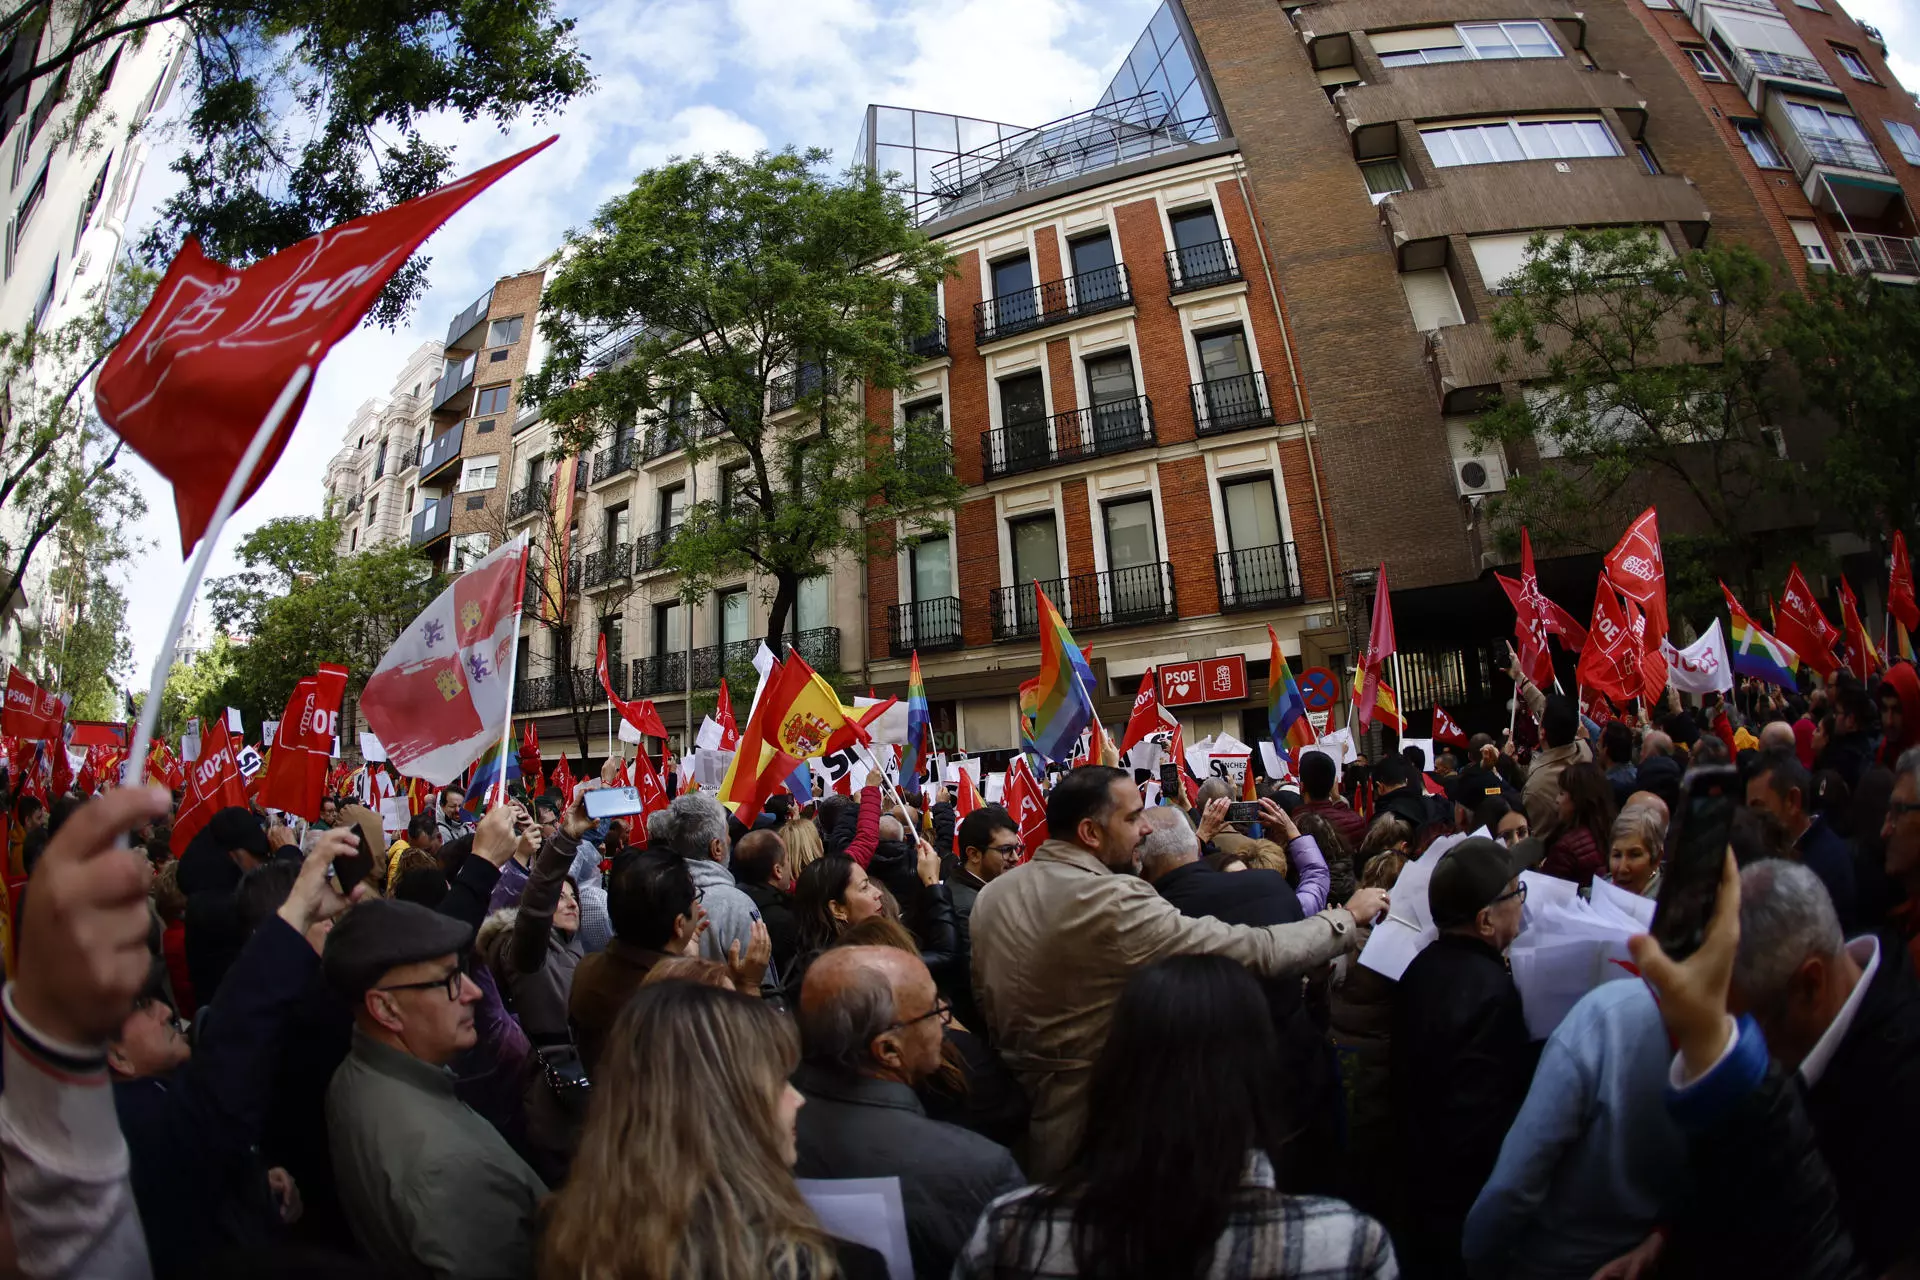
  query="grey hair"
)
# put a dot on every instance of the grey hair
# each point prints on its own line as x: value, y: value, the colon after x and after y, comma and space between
x: 1170, y: 841
x: 1214, y: 789
x: 1776, y: 735
x: 693, y: 823
x: 1785, y: 917
x: 1656, y: 743
x: 839, y: 1032
x: 659, y: 825
x: 1643, y: 824
x: 1908, y: 764
x: 889, y: 823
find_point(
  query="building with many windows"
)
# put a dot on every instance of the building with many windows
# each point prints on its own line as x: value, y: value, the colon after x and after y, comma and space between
x: 373, y: 482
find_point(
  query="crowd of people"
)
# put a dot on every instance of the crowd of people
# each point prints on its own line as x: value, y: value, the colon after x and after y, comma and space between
x: 541, y: 1044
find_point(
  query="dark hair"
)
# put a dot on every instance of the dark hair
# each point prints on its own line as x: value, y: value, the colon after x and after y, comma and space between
x: 1592, y: 797
x: 1316, y: 774
x: 1852, y: 700
x: 1616, y: 742
x: 977, y: 828
x: 62, y: 808
x: 1784, y: 772
x: 756, y: 854
x: 422, y: 826
x: 1489, y: 812
x: 424, y: 885
x: 1086, y: 792
x: 780, y: 805
x: 547, y: 802
x: 646, y: 896
x: 1757, y: 835
x: 1710, y: 749
x: 1189, y: 1081
x: 262, y: 890
x: 1393, y: 770
x: 1560, y: 721
x: 828, y: 813
x: 455, y: 790
x: 821, y: 882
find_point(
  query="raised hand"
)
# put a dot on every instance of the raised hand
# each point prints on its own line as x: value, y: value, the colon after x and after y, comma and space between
x: 748, y: 970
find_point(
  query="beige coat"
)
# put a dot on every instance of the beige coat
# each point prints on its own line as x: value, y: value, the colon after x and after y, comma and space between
x: 1056, y: 939
x: 1541, y: 795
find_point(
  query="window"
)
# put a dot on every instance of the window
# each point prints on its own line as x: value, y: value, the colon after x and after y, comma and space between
x: 373, y: 509
x: 929, y: 571
x: 380, y: 461
x: 1384, y: 177
x: 1855, y: 64
x: 731, y: 605
x: 1834, y: 137
x: 1905, y: 137
x: 1096, y: 277
x: 616, y: 528
x: 1194, y: 226
x: 1645, y: 153
x: 44, y: 303
x: 1023, y: 414
x: 1431, y: 299
x: 1012, y: 275
x: 1810, y: 4
x: 1015, y: 305
x: 673, y: 508
x: 469, y: 549
x: 407, y: 506
x: 479, y: 473
x: 1253, y: 516
x: 94, y: 195
x: 29, y: 203
x: 1466, y: 42
x: 1036, y: 552
x: 1223, y: 355
x: 923, y: 419
x: 1759, y: 144
x: 1509, y: 40
x: 614, y: 628
x: 491, y: 400
x: 353, y: 539
x: 1519, y: 140
x: 813, y: 605
x: 504, y: 332
x: 1499, y: 258
x: 1659, y: 4
x: 1812, y: 243
x: 1703, y: 62
x: 669, y: 627
x: 1115, y: 400
x: 1131, y: 543
x: 736, y: 496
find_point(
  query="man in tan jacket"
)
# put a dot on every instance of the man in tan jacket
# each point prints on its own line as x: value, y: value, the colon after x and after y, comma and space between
x: 1055, y: 940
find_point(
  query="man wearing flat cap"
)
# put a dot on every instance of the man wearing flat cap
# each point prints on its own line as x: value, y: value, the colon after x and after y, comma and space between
x: 1461, y: 1057
x: 430, y: 1188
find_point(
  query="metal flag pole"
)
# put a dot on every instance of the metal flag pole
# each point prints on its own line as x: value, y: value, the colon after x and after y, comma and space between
x: 136, y: 766
x: 513, y: 676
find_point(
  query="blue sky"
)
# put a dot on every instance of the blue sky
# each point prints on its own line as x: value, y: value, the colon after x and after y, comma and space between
x: 680, y: 77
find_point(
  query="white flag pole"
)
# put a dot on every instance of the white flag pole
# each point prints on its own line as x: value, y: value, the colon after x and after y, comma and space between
x: 513, y: 675
x: 136, y: 766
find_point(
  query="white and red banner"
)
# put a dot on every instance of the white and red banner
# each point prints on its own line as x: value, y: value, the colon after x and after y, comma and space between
x: 1703, y: 666
x: 302, y: 744
x: 1026, y: 804
x: 32, y: 713
x: 214, y: 783
x: 1637, y: 571
x: 441, y: 694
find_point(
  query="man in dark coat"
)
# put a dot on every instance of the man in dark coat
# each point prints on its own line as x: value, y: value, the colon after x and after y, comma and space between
x: 1461, y: 1058
x: 870, y: 1030
x: 764, y: 874
x: 231, y: 844
x: 1317, y: 776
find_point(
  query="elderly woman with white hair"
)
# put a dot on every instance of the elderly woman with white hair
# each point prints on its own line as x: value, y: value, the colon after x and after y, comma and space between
x: 1638, y: 837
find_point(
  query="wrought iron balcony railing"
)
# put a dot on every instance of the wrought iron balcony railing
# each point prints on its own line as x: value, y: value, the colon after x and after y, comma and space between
x: 1254, y: 577
x: 933, y: 344
x: 623, y: 455
x: 411, y: 457
x: 648, y: 549
x: 1118, y: 597
x: 792, y: 387
x: 923, y: 624
x: 528, y: 500
x: 1228, y: 404
x: 666, y: 673
x: 609, y: 564
x: 1195, y: 266
x: 671, y: 434
x: 1068, y: 437
x: 1055, y: 301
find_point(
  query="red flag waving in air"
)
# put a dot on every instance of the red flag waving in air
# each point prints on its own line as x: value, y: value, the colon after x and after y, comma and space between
x: 1445, y: 730
x: 1026, y: 804
x: 641, y: 713
x: 1799, y: 624
x: 1380, y: 646
x: 723, y: 716
x: 302, y: 746
x: 533, y: 775
x: 195, y: 377
x: 1611, y: 660
x: 1638, y: 572
x: 214, y: 783
x: 1900, y: 601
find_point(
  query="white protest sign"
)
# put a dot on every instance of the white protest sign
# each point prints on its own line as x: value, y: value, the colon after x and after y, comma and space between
x: 1339, y: 745
x: 248, y: 761
x: 371, y: 751
x: 1425, y: 747
x: 629, y: 734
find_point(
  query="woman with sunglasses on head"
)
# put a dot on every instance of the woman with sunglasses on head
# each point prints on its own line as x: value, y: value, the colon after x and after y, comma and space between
x: 1178, y: 1178
x: 685, y: 1164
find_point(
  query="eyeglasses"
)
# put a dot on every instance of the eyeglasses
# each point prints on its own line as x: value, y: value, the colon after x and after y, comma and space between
x: 451, y: 984
x: 942, y: 1009
x: 1518, y: 891
x: 1901, y: 808
x: 1007, y: 850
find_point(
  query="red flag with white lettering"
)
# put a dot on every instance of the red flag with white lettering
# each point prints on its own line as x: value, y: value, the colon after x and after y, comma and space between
x: 1638, y: 572
x: 1611, y: 660
x: 640, y: 713
x: 1026, y: 804
x: 723, y: 716
x: 646, y: 780
x: 1799, y: 624
x: 195, y: 377
x: 214, y: 783
x: 295, y: 780
x: 1445, y: 730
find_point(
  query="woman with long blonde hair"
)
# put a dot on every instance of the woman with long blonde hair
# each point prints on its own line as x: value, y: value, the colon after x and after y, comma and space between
x: 685, y: 1164
x: 801, y: 836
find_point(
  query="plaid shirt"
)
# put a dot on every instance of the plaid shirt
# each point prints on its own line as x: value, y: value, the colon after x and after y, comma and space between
x: 1299, y: 1237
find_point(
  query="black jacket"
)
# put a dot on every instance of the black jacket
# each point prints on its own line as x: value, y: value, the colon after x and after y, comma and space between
x: 857, y: 1127
x: 946, y: 821
x: 1412, y: 805
x: 783, y: 927
x: 1866, y: 1115
x: 1461, y: 1062
x: 191, y: 1135
x: 1849, y: 754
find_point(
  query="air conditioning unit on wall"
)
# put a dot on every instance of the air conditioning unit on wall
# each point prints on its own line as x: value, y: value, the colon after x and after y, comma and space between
x: 1479, y: 473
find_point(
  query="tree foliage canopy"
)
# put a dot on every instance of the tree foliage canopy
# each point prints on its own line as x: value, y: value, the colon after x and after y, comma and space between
x: 740, y: 305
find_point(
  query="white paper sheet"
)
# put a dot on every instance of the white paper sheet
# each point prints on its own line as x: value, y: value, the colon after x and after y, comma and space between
x: 867, y: 1211
x: 1409, y: 926
x: 1426, y: 751
x: 1630, y: 905
x: 371, y: 751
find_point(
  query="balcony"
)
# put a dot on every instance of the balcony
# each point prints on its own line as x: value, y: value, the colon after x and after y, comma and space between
x: 622, y: 457
x: 1881, y: 255
x: 529, y: 500
x: 659, y: 675
x: 1117, y: 598
x: 649, y: 549
x: 1843, y: 153
x: 1230, y: 404
x: 586, y: 680
x: 607, y: 565
x: 540, y: 693
x: 411, y: 457
x: 445, y: 449
x: 353, y: 503
x: 1054, y: 302
x: 455, y: 389
x: 1256, y: 577
x: 467, y: 321
x: 670, y: 435
x: 792, y: 387
x: 433, y: 521
x: 1073, y: 436
x: 931, y: 345
x: 923, y: 624
x: 1196, y: 266
x: 665, y: 673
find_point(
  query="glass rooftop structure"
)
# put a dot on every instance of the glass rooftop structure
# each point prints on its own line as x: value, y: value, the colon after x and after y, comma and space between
x: 945, y: 165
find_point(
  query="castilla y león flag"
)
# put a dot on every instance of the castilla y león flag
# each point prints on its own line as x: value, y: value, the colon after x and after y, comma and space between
x: 440, y: 696
x: 195, y: 377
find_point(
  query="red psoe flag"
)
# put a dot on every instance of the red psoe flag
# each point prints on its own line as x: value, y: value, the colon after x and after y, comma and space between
x: 1445, y: 730
x: 1799, y: 624
x: 195, y: 377
x: 1026, y: 804
x: 1610, y: 662
x: 640, y: 713
x: 295, y: 780
x: 1638, y: 572
x: 213, y: 784
x: 1380, y: 646
x: 1900, y: 601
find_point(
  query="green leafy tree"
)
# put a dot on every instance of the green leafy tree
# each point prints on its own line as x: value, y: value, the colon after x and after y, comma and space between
x: 1643, y: 368
x: 1855, y: 343
x: 85, y: 648
x: 197, y: 686
x: 718, y: 287
x: 297, y: 603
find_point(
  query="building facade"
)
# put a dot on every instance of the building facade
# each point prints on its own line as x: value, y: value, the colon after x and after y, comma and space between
x: 373, y: 482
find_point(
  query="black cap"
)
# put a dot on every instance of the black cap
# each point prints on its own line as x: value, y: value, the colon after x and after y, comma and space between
x: 237, y: 828
x: 1468, y: 877
x: 380, y: 934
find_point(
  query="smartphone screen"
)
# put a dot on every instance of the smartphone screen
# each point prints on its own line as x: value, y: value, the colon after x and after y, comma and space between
x: 1696, y: 854
x: 1170, y: 779
x: 1243, y: 811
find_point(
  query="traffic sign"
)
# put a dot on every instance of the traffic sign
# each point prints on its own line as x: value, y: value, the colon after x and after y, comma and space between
x: 1319, y: 689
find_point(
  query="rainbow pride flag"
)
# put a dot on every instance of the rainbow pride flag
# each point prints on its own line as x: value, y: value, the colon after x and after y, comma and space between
x: 919, y: 722
x: 1287, y: 722
x: 1755, y: 653
x: 1063, y: 695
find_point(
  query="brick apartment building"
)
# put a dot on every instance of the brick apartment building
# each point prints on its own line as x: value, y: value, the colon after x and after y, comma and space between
x: 373, y: 481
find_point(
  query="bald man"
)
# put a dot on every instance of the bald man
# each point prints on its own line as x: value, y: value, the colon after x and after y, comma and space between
x: 1776, y: 735
x: 871, y: 1028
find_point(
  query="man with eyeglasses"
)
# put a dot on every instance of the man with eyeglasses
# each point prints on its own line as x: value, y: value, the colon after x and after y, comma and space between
x: 1461, y: 1058
x: 429, y: 1187
x: 871, y: 1029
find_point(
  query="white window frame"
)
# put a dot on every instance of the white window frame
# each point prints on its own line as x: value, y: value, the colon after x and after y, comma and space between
x: 479, y: 473
x: 1748, y: 131
x: 1906, y: 139
x: 1855, y: 64
x: 1464, y: 50
x: 467, y: 550
x: 1524, y: 133
x: 1704, y: 62
x: 1802, y: 227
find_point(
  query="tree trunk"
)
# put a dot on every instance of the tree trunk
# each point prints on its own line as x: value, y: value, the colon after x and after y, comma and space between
x: 786, y: 591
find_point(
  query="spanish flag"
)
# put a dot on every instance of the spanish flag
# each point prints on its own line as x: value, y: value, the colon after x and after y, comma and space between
x: 1385, y: 705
